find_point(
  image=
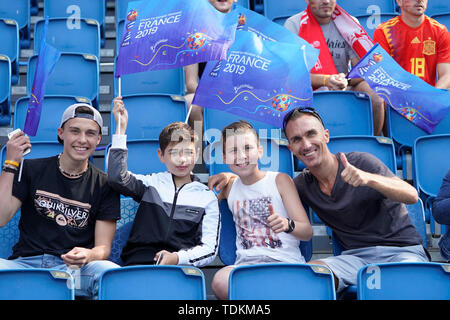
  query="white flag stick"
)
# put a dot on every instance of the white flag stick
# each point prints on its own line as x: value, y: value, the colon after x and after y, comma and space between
x: 120, y: 94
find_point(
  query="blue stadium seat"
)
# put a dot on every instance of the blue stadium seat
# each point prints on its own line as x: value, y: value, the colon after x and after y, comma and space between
x: 66, y: 37
x: 404, y: 281
x: 276, y: 157
x: 39, y: 149
x: 215, y: 120
x: 363, y: 7
x: 36, y: 284
x: 9, y: 236
x: 18, y: 10
x: 370, y: 21
x: 5, y: 91
x: 279, y: 11
x: 244, y: 3
x: 149, y: 114
x: 9, y: 33
x: 281, y: 282
x: 227, y: 245
x: 437, y: 7
x: 404, y: 133
x: 74, y: 9
x: 34, y: 7
x: 345, y: 112
x: 443, y: 18
x: 74, y: 74
x: 381, y: 147
x: 128, y: 208
x: 121, y: 9
x: 430, y: 163
x: 52, y: 110
x: 170, y: 81
x: 142, y: 157
x: 152, y: 283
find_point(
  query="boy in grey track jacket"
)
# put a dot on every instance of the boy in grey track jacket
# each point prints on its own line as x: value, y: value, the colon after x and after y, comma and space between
x: 178, y: 219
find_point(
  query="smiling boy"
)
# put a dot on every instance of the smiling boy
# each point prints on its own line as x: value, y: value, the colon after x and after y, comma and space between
x: 268, y: 214
x: 177, y: 221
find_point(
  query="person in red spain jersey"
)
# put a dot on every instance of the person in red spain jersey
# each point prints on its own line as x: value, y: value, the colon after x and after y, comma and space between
x: 418, y: 43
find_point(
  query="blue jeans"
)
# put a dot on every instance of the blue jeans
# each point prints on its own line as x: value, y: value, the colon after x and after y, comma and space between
x: 85, y: 278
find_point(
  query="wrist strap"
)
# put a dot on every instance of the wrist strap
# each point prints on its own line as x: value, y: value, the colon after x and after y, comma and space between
x: 9, y: 169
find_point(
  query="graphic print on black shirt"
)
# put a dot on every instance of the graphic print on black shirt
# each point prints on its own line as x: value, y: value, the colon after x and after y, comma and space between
x: 63, y: 211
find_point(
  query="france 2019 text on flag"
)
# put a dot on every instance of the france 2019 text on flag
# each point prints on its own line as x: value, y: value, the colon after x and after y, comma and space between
x: 165, y: 34
x: 422, y: 104
x: 260, y: 80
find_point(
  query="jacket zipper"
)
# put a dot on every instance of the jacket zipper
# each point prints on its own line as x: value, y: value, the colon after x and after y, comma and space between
x: 172, y: 211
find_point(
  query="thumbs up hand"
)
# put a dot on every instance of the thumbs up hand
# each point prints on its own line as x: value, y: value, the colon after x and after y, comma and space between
x: 353, y: 175
x: 276, y: 222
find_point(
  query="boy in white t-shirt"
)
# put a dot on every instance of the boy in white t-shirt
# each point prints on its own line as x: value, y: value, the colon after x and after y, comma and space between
x: 269, y: 217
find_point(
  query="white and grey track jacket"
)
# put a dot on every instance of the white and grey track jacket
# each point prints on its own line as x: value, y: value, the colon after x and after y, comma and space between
x: 185, y: 221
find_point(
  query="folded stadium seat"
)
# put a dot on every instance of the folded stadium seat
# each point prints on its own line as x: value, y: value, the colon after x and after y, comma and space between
x: 9, y: 33
x: 404, y: 281
x: 152, y: 283
x: 443, y: 18
x: 128, y: 208
x: 404, y: 133
x: 74, y: 74
x: 9, y: 236
x: 279, y: 11
x: 18, y: 10
x: 437, y: 7
x: 215, y: 120
x: 227, y: 245
x: 363, y: 7
x: 36, y: 284
x: 170, y: 81
x: 67, y: 35
x: 142, y: 157
x: 345, y: 112
x: 370, y: 21
x: 276, y: 157
x: 74, y: 9
x: 52, y: 110
x: 430, y: 164
x: 5, y: 91
x: 148, y: 114
x: 39, y: 149
x: 280, y: 281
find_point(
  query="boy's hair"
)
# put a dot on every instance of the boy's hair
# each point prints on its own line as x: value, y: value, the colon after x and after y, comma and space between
x: 176, y: 132
x: 237, y: 127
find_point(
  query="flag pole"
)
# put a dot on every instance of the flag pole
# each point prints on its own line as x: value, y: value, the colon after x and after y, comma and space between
x: 188, y: 114
x: 120, y: 95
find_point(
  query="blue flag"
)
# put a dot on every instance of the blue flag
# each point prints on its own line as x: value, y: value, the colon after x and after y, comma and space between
x: 260, y: 79
x: 422, y: 104
x: 46, y: 61
x: 165, y: 34
x: 249, y: 20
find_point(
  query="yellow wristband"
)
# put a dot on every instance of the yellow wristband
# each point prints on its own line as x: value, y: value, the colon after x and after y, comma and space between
x: 13, y: 163
x: 325, y: 77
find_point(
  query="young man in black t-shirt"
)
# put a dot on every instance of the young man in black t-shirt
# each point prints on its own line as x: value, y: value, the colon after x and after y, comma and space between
x: 68, y: 211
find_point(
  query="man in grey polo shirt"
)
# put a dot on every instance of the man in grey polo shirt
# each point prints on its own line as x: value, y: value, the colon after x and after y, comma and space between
x: 357, y: 196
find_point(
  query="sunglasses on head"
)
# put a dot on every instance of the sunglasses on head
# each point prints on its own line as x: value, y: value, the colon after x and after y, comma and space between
x: 308, y: 110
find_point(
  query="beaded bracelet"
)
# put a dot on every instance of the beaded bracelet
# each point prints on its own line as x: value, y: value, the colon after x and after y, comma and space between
x: 325, y: 77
